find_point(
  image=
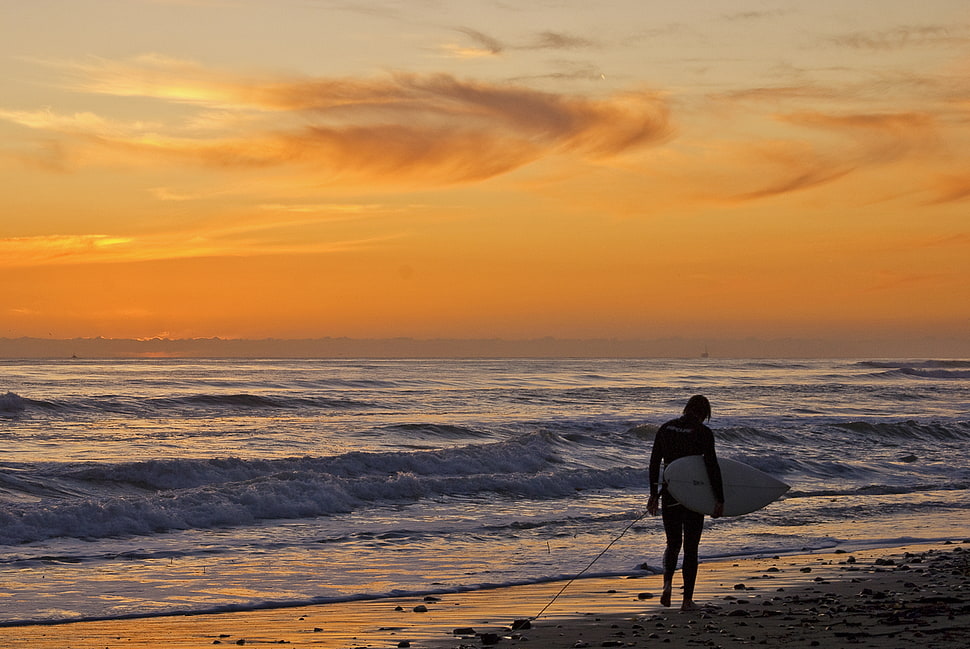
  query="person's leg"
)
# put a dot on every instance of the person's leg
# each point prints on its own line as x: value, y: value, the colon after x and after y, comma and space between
x: 693, y: 528
x: 673, y: 518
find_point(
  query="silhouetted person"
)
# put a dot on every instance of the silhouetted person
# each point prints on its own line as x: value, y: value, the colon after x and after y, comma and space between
x: 686, y: 435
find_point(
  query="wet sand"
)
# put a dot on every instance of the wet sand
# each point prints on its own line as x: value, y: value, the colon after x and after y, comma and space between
x: 917, y: 595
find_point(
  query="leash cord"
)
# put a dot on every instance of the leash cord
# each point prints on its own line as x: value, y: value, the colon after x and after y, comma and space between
x: 595, y: 559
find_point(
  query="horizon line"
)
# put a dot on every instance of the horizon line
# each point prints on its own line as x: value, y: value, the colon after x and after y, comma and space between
x: 400, y: 347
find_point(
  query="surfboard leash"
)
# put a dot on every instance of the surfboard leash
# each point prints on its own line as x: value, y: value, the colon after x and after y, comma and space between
x: 590, y: 565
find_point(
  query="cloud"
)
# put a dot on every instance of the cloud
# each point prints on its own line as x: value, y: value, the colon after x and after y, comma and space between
x: 960, y: 240
x: 807, y: 176
x: 237, y: 239
x: 783, y: 93
x: 558, y: 41
x: 745, y: 16
x: 952, y: 189
x: 433, y: 129
x: 882, y: 137
x: 900, y: 38
x: 830, y: 148
x: 336, y: 210
x: 26, y: 251
x: 86, y: 122
x: 484, y: 45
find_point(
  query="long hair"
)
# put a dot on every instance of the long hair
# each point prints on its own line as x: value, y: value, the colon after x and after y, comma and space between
x: 698, y: 407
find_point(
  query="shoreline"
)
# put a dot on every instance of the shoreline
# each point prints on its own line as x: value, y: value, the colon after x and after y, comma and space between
x: 882, y: 597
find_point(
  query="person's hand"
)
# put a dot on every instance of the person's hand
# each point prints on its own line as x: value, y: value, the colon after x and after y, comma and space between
x: 718, y: 510
x: 653, y: 505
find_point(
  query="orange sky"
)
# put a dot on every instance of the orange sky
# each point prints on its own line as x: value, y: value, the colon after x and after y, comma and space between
x: 300, y: 168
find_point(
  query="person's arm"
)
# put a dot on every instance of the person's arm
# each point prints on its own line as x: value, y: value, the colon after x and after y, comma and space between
x: 656, y: 455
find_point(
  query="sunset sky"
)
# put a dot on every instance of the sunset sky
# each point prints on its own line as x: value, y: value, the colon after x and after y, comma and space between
x: 565, y: 168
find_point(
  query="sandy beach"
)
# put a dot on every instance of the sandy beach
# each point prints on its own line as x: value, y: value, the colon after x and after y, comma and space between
x: 871, y: 598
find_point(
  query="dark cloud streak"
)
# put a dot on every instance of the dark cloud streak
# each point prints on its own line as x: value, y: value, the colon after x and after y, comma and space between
x: 547, y: 40
x: 484, y: 41
x: 900, y: 37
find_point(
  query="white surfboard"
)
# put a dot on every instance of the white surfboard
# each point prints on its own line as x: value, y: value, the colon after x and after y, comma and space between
x: 745, y: 487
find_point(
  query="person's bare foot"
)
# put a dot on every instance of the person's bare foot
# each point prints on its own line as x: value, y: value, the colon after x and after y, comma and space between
x: 689, y: 605
x: 665, y: 595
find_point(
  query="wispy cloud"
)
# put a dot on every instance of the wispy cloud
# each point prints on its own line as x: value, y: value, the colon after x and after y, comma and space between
x: 292, y: 229
x: 801, y: 176
x: 482, y: 44
x: 747, y: 16
x: 951, y: 189
x: 400, y: 128
x: 882, y: 137
x: 83, y: 122
x: 104, y: 249
x: 778, y: 93
x: 902, y: 37
x: 848, y: 143
x: 26, y: 251
x: 334, y: 210
x: 550, y: 40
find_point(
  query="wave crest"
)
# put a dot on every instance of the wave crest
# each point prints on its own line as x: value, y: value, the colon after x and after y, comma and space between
x: 148, y: 497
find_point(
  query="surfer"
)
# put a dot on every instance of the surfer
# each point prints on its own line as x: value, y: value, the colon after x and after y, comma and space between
x: 686, y: 435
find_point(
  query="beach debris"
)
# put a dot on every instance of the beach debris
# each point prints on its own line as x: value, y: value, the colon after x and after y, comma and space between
x: 645, y: 595
x: 519, y: 625
x: 420, y: 608
x: 465, y: 630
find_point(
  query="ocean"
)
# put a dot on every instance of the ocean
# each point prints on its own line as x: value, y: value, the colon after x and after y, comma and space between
x: 150, y: 487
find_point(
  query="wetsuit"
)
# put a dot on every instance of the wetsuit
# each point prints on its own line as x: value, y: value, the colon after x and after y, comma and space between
x: 676, y: 439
